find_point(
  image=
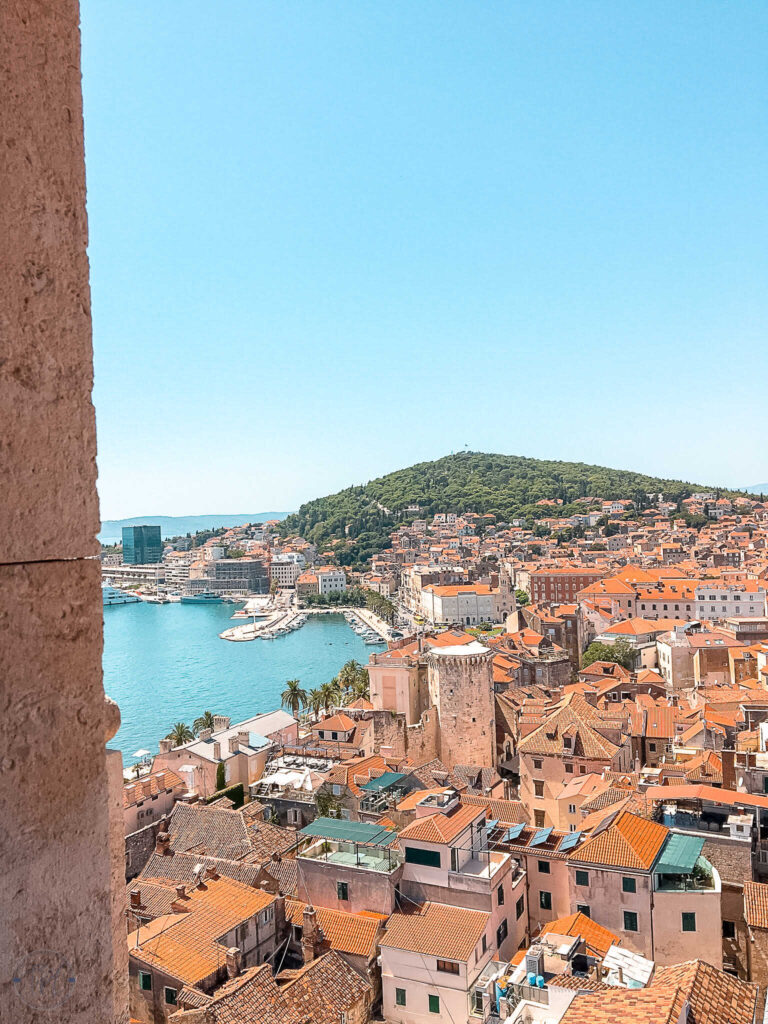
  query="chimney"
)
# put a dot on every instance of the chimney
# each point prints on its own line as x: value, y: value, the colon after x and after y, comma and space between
x: 163, y: 844
x: 309, y: 941
x: 234, y: 962
x: 220, y: 722
x: 244, y: 738
x: 217, y: 751
x: 181, y: 892
x: 135, y: 897
x: 729, y: 769
x: 234, y: 744
x: 165, y: 746
x: 205, y: 734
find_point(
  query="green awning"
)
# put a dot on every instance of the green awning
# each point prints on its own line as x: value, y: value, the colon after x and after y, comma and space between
x: 679, y: 855
x: 382, y: 782
x: 350, y: 832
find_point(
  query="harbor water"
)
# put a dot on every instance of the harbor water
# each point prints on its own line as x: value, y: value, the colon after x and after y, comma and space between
x: 165, y: 664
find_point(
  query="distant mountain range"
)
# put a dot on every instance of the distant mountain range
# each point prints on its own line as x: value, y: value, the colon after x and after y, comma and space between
x: 175, y: 526
x: 757, y: 489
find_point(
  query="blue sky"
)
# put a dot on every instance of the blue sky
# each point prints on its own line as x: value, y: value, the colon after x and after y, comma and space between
x: 329, y: 240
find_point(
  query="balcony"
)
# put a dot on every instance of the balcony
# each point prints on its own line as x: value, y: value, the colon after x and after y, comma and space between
x: 482, y: 865
x: 353, y: 855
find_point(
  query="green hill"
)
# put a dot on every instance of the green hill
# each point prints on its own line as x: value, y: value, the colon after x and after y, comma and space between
x: 506, y: 485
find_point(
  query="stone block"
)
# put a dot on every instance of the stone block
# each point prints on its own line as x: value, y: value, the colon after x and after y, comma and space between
x: 49, y: 507
x: 58, y: 904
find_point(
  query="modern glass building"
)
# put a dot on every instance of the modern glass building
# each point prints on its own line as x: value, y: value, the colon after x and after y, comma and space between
x: 142, y: 545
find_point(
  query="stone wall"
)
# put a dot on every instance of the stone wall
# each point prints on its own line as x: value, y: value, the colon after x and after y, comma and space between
x: 393, y: 737
x: 62, y: 940
x: 461, y: 686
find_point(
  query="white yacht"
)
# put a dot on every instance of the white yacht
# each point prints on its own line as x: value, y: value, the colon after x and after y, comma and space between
x: 113, y: 595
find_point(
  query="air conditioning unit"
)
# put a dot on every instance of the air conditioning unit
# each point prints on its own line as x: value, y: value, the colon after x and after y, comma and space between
x: 534, y: 961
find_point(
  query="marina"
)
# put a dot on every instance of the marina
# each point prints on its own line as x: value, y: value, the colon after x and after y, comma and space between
x: 166, y: 663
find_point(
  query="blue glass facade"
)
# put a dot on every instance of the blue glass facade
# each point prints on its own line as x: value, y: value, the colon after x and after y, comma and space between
x: 142, y: 545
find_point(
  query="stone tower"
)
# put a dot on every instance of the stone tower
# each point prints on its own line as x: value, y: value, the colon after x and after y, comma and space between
x: 460, y: 683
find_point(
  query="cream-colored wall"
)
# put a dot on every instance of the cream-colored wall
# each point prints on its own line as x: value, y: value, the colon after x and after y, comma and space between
x: 417, y: 973
x: 556, y: 882
x: 554, y: 776
x: 671, y: 944
x: 607, y: 902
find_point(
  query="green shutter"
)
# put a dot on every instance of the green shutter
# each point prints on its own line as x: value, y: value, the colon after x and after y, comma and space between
x: 428, y: 858
x: 434, y: 1004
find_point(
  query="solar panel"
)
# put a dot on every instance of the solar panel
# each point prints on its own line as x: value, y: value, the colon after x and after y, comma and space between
x: 541, y: 837
x: 513, y: 833
x: 490, y: 825
x: 570, y: 841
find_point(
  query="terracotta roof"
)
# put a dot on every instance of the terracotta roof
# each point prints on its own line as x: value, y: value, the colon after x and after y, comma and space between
x: 442, y: 828
x: 151, y: 785
x: 714, y: 997
x: 597, y: 939
x: 185, y: 945
x: 354, y: 934
x: 336, y: 723
x: 436, y: 929
x: 510, y: 812
x: 628, y: 842
x: 574, y: 715
x: 756, y: 904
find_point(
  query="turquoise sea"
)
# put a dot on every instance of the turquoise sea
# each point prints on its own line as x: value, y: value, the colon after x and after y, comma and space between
x: 166, y: 664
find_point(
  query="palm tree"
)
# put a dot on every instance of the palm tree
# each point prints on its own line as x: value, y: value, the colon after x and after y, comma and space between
x: 205, y: 721
x: 360, y: 687
x: 330, y: 693
x: 315, y: 702
x: 293, y: 697
x: 348, y: 674
x: 180, y: 734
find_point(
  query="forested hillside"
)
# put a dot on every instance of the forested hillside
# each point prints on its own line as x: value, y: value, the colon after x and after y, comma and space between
x: 506, y: 485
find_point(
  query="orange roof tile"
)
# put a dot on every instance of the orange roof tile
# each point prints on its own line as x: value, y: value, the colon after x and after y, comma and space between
x: 436, y: 929
x: 628, y: 842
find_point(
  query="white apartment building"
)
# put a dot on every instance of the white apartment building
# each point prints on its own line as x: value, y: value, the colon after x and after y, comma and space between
x: 469, y: 604
x: 716, y: 600
x: 330, y: 579
x: 286, y: 568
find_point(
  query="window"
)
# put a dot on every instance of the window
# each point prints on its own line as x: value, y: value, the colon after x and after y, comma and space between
x: 145, y: 981
x: 484, y: 944
x: 520, y: 908
x: 447, y: 967
x: 538, y: 788
x: 569, y: 769
x: 399, y: 997
x: 628, y: 884
x: 582, y: 769
x: 477, y: 1001
x: 630, y: 921
x: 689, y: 922
x: 336, y: 790
x: 544, y: 867
x: 342, y: 890
x: 428, y: 858
x: 537, y: 764
x: 538, y: 819
x: 454, y: 859
x: 582, y: 878
x: 501, y: 932
x: 729, y: 929
x: 571, y: 808
x: 583, y: 908
x: 434, y: 1004
x: 652, y: 747
x: 545, y: 900
x: 500, y: 896
x: 170, y: 996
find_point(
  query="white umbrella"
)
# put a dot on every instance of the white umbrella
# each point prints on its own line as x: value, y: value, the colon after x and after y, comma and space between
x: 141, y: 753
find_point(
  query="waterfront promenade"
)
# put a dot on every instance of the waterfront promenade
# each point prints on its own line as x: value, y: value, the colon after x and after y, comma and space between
x: 284, y: 620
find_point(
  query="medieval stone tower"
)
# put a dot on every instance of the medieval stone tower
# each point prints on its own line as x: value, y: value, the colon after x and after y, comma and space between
x: 460, y: 683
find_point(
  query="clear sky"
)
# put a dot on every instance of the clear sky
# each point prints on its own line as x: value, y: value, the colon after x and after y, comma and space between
x: 329, y: 240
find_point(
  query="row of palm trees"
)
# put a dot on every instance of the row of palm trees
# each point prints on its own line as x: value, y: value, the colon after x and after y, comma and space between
x: 350, y: 684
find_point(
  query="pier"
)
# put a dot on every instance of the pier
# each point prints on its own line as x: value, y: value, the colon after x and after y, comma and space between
x: 285, y: 620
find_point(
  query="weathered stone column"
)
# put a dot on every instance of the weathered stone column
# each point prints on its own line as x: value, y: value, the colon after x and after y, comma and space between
x: 61, y: 951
